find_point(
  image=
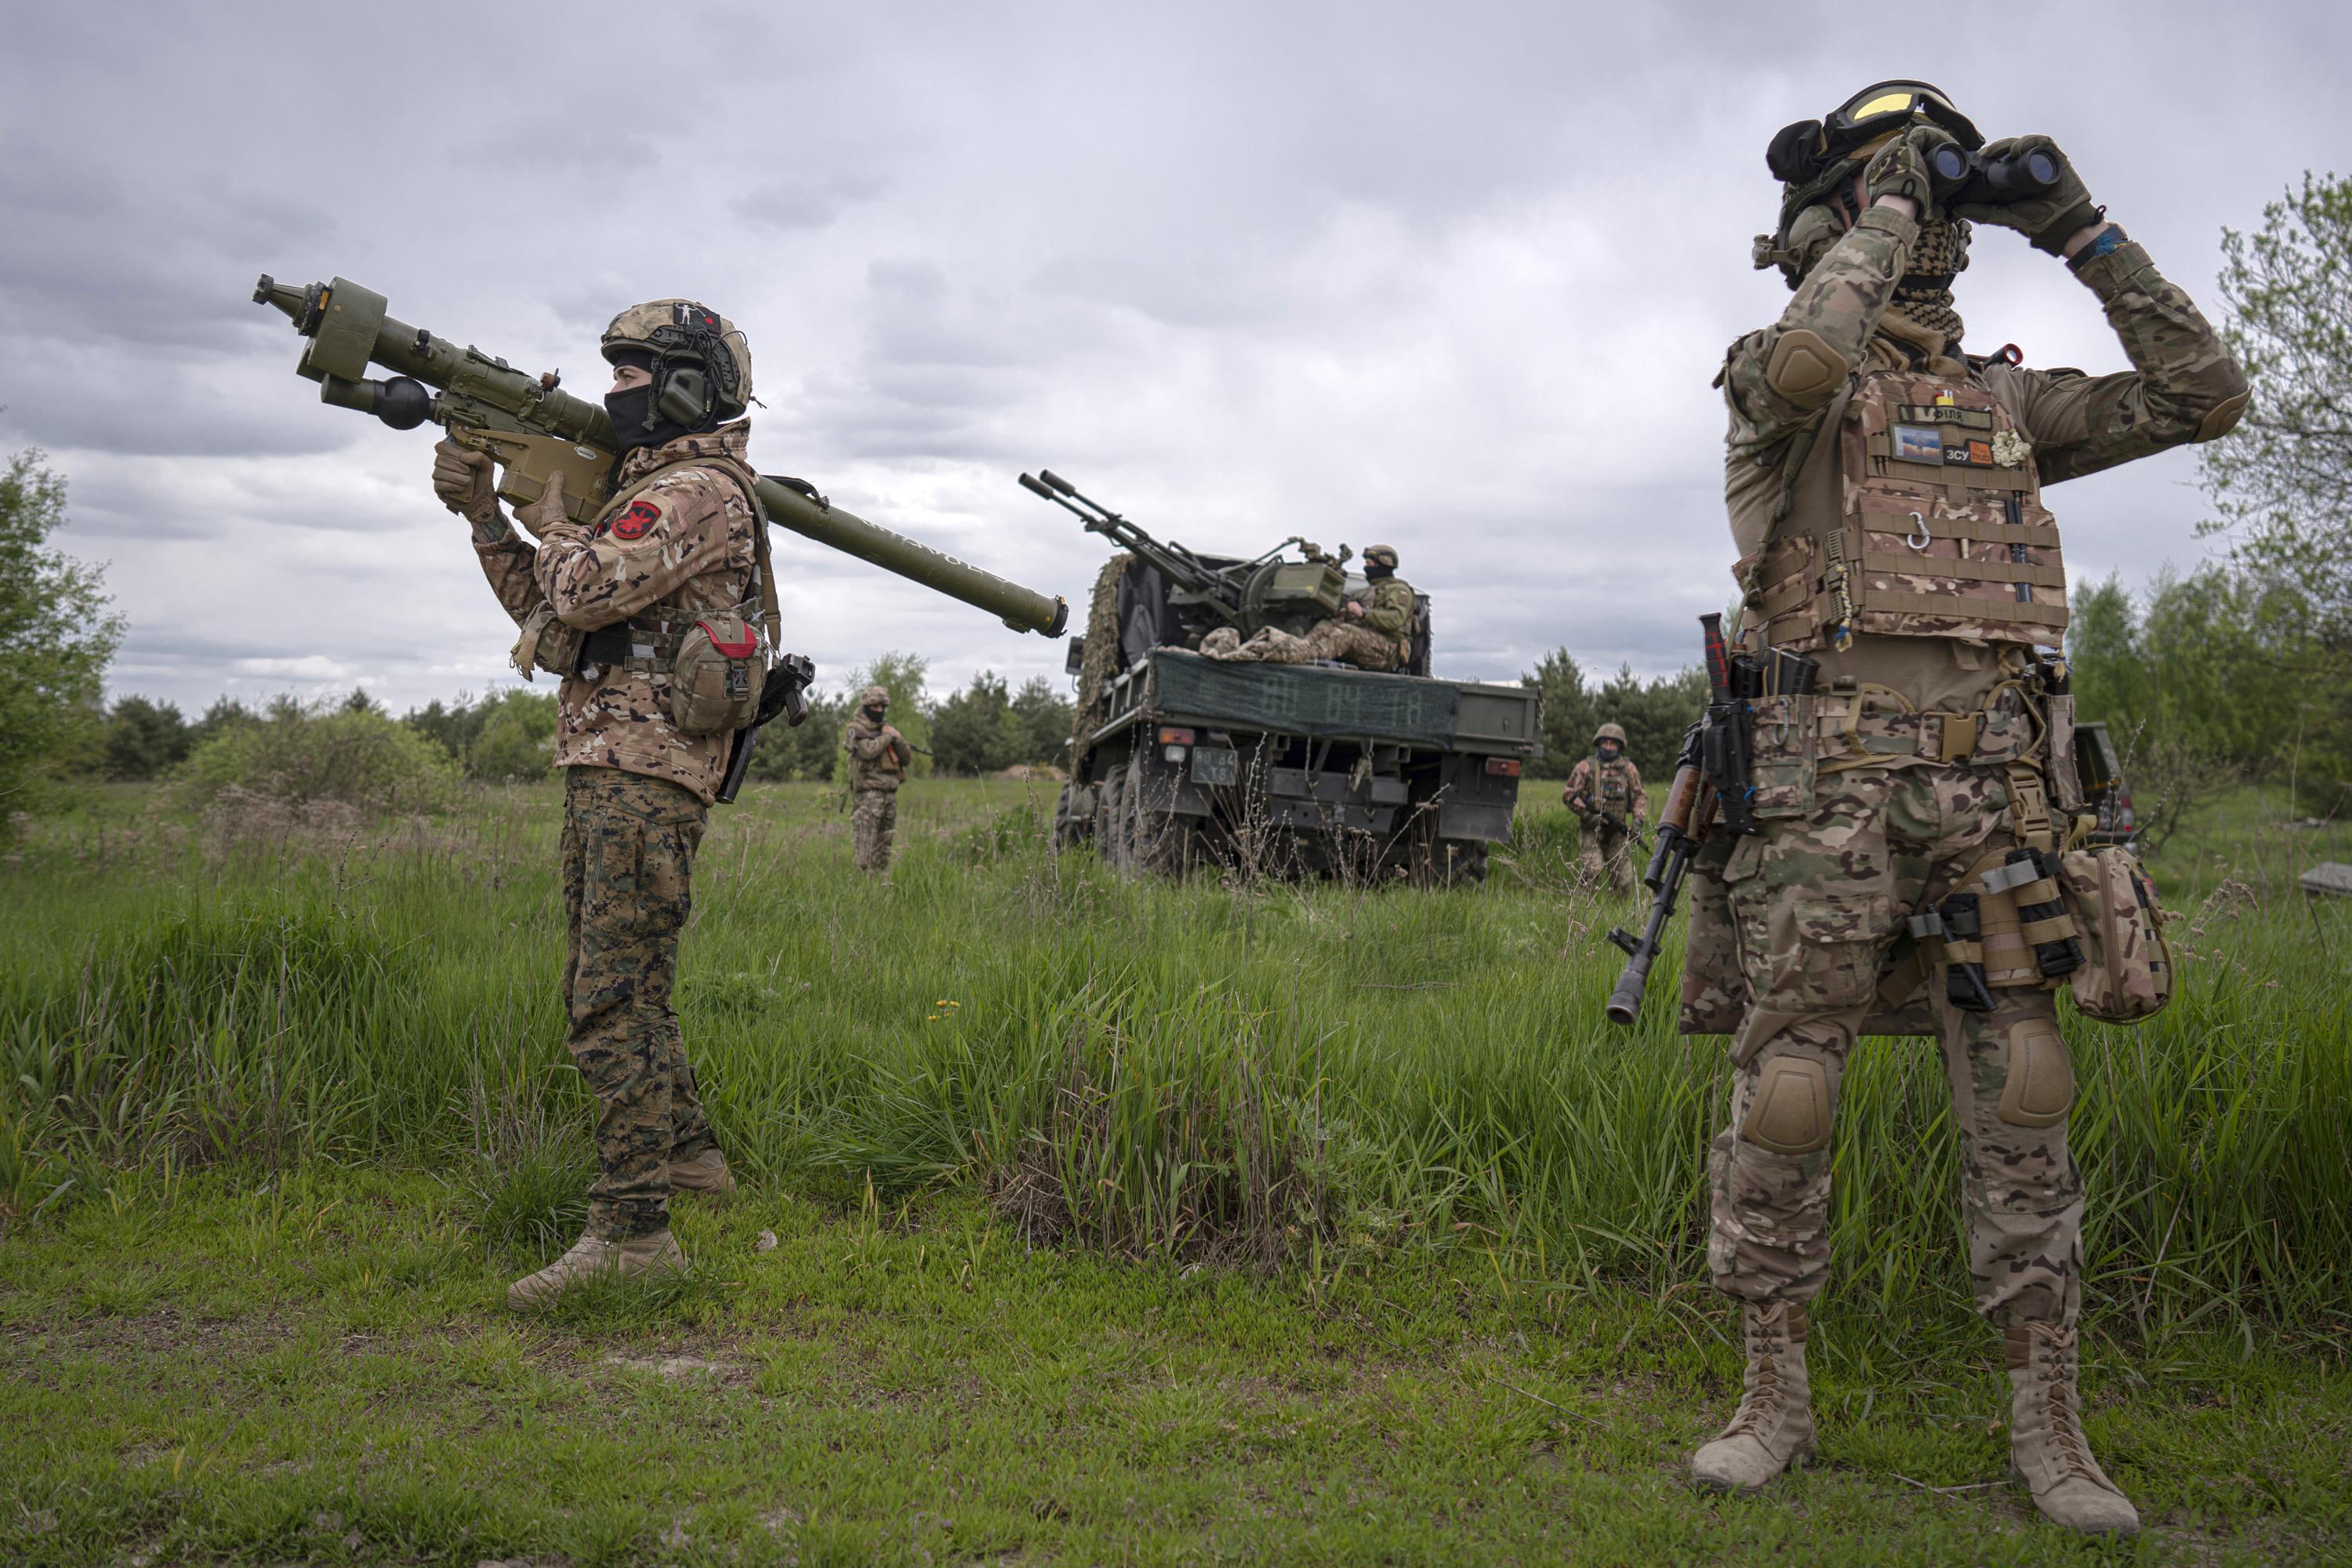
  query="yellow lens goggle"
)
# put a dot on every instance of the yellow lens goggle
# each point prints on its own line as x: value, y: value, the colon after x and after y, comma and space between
x: 1887, y: 106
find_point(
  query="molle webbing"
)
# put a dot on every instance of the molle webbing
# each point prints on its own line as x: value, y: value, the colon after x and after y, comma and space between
x: 646, y: 644
x: 1866, y: 729
x: 1940, y: 531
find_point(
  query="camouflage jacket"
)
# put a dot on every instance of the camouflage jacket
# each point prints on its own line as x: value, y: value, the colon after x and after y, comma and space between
x: 2183, y: 386
x: 1388, y: 609
x: 877, y: 757
x: 1590, y: 782
x: 686, y: 541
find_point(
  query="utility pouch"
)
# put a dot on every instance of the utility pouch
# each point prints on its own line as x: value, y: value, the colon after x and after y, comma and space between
x: 714, y: 686
x: 2127, y: 973
x: 1784, y: 757
x: 547, y: 644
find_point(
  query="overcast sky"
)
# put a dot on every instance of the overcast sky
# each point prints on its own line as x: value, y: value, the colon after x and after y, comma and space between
x: 1453, y: 278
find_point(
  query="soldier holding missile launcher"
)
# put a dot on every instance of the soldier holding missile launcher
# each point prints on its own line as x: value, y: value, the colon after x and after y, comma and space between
x: 672, y: 576
x: 651, y: 595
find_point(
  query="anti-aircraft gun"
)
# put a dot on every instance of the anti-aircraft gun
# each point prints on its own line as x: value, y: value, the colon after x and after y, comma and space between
x: 1207, y: 592
x: 1179, y: 759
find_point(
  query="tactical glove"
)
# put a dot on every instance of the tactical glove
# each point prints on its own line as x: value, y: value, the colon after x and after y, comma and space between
x: 547, y: 511
x: 463, y: 481
x: 1901, y: 169
x: 2049, y: 220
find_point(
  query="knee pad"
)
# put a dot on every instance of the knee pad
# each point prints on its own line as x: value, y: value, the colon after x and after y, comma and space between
x: 1790, y: 1111
x: 2040, y: 1081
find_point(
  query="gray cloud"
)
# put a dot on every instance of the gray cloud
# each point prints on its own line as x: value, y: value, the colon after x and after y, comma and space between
x: 1455, y: 278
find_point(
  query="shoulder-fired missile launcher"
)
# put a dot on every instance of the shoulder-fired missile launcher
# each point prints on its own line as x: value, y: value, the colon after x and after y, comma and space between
x: 532, y: 428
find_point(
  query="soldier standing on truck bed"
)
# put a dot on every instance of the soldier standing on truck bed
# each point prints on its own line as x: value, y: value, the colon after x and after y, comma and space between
x: 1885, y: 492
x: 878, y: 759
x: 1604, y: 790
x: 1374, y: 632
x: 612, y: 606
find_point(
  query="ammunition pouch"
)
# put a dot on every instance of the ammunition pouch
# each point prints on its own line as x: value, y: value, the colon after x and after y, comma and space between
x: 716, y: 679
x: 2127, y: 973
x: 547, y: 644
x: 2006, y: 925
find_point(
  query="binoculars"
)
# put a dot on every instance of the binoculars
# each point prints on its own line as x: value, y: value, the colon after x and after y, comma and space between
x: 1965, y: 176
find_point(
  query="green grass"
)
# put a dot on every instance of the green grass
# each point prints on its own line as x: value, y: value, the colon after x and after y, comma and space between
x: 1320, y: 1172
x: 321, y: 1371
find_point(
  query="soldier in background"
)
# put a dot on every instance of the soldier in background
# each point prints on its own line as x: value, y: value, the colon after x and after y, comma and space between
x: 1604, y: 790
x: 1885, y: 492
x: 878, y: 759
x: 605, y: 606
x: 1374, y: 632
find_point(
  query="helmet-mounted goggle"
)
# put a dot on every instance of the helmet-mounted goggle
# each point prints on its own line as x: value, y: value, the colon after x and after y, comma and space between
x: 1802, y: 152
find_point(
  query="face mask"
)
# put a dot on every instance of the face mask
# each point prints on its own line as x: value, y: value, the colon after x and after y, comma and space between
x: 630, y: 410
x: 1608, y: 751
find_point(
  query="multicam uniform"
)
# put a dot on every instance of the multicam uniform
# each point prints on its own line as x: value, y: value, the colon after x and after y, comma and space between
x: 878, y: 766
x: 1610, y: 789
x: 1912, y: 557
x: 676, y: 541
x: 1381, y: 640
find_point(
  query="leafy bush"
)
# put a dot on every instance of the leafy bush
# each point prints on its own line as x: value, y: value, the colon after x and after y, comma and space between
x: 357, y: 756
x: 56, y: 636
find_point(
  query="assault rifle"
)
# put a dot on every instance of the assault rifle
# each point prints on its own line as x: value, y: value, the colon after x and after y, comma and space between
x: 1711, y: 783
x: 1689, y: 814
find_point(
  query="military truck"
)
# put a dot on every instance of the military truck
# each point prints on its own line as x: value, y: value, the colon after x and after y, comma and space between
x: 1180, y: 761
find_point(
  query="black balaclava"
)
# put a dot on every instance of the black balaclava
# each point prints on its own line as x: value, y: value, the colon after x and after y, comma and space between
x: 636, y: 421
x: 1611, y: 750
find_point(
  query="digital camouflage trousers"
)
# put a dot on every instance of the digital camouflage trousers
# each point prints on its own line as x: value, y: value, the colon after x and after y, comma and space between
x: 1816, y: 902
x: 1604, y: 852
x: 873, y: 823
x: 629, y: 863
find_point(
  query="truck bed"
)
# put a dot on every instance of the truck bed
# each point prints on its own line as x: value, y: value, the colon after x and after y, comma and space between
x: 1319, y: 701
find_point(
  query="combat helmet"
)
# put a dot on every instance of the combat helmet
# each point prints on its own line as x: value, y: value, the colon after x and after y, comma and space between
x: 874, y: 697
x: 1382, y: 555
x: 1816, y: 160
x: 1609, y: 732
x: 701, y: 362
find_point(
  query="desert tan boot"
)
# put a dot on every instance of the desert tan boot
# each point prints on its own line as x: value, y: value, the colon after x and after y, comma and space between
x: 2047, y: 1449
x: 592, y: 1258
x: 1773, y: 1430
x: 706, y: 1173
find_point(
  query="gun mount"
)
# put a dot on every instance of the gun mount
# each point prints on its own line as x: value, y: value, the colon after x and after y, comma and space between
x: 531, y: 428
x: 1204, y: 592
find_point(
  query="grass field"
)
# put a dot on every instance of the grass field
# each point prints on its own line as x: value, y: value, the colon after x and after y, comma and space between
x: 1114, y: 1222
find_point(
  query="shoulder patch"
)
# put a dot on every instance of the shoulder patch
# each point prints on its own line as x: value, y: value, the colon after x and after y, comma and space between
x: 636, y: 523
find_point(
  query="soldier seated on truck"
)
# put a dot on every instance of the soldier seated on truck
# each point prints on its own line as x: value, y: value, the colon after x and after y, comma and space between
x: 1374, y: 632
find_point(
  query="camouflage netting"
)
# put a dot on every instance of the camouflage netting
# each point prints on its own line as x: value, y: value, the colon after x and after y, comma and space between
x: 1100, y: 661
